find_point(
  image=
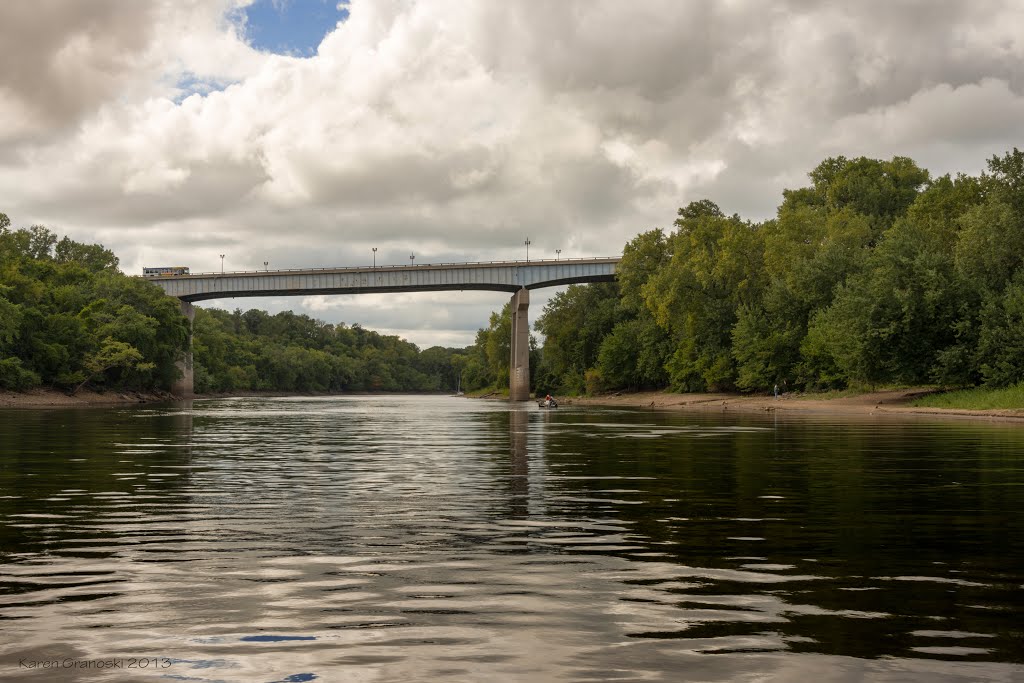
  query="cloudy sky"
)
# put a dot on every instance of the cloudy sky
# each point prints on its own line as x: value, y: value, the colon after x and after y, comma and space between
x: 304, y: 132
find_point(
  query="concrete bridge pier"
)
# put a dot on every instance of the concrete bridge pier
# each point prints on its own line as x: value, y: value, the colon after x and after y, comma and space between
x: 519, y: 367
x: 184, y: 385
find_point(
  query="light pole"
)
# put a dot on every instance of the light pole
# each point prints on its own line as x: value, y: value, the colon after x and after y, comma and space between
x: 412, y: 257
x: 222, y: 264
x: 266, y: 265
x: 527, y: 249
x: 557, y: 252
x: 374, y: 257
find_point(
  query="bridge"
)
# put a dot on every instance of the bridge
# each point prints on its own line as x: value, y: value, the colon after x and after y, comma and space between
x: 517, y: 277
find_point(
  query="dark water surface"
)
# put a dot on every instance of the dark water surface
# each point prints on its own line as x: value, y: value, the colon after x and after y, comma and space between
x: 412, y: 538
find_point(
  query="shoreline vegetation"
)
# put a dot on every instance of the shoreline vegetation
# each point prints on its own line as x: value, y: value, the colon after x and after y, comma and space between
x: 876, y: 274
x: 70, y: 320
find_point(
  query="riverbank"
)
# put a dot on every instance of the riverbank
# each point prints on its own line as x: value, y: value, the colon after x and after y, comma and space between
x: 54, y: 398
x: 892, y: 402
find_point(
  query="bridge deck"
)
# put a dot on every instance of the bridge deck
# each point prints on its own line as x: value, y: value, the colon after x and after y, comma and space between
x: 506, y: 276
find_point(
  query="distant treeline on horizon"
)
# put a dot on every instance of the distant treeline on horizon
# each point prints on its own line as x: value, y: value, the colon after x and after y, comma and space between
x: 875, y: 273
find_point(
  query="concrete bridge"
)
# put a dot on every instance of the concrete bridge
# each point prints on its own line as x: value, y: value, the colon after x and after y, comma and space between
x: 518, y: 277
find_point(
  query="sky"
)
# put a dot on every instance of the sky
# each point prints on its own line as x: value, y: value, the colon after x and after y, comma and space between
x: 306, y: 132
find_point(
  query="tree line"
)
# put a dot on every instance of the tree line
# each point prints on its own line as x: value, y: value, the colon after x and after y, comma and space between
x: 69, y: 318
x: 875, y: 273
x: 290, y: 352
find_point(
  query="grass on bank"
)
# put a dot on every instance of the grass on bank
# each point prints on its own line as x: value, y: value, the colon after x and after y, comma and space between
x: 850, y: 392
x: 980, y: 398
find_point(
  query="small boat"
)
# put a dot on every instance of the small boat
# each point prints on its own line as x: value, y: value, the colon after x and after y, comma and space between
x: 548, y: 403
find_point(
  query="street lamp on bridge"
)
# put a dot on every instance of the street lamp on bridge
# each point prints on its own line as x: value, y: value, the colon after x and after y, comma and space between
x: 374, y: 257
x: 527, y: 249
x: 412, y: 257
x: 557, y: 252
x: 266, y: 265
x: 222, y: 264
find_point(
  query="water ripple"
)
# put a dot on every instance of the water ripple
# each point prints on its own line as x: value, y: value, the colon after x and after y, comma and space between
x: 398, y: 538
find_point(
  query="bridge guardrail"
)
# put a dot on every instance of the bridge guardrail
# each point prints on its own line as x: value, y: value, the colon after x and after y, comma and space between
x: 603, y: 259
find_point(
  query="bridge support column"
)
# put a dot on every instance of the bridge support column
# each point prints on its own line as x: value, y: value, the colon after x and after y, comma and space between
x: 184, y: 386
x: 519, y: 367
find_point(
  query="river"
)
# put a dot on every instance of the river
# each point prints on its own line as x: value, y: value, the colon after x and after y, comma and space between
x: 406, y: 538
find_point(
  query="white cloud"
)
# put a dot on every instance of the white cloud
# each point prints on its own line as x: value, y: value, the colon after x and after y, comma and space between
x: 456, y: 129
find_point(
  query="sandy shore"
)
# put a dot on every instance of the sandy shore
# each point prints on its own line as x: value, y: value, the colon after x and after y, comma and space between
x: 53, y: 398
x: 875, y: 403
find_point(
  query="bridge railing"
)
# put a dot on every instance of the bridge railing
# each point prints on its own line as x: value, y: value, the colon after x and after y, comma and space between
x: 468, y: 264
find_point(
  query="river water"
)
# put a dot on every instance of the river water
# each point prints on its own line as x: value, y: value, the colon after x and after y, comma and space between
x: 435, y: 538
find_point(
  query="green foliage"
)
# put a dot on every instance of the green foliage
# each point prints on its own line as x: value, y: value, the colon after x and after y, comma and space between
x: 716, y: 266
x: 112, y: 356
x: 642, y: 257
x: 890, y: 322
x: 1000, y: 348
x: 67, y: 317
x: 575, y: 323
x: 880, y: 190
x: 256, y: 351
x: 92, y: 257
x: 497, y: 345
x: 13, y: 375
x: 981, y: 398
x: 485, y: 364
x: 10, y: 321
x: 593, y: 381
x: 872, y: 275
x: 633, y: 355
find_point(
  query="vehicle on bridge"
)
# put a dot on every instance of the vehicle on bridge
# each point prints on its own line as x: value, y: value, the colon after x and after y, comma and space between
x: 164, y: 271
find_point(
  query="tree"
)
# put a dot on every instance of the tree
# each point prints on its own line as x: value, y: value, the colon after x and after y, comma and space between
x: 889, y: 323
x: 574, y: 324
x: 91, y: 256
x: 111, y: 355
x: 10, y: 321
x: 633, y: 355
x: 716, y: 266
x: 642, y: 258
x: 1000, y: 349
x: 880, y: 190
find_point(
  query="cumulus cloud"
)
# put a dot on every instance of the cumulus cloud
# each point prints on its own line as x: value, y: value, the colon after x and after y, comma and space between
x: 61, y: 59
x: 456, y: 129
x: 64, y: 60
